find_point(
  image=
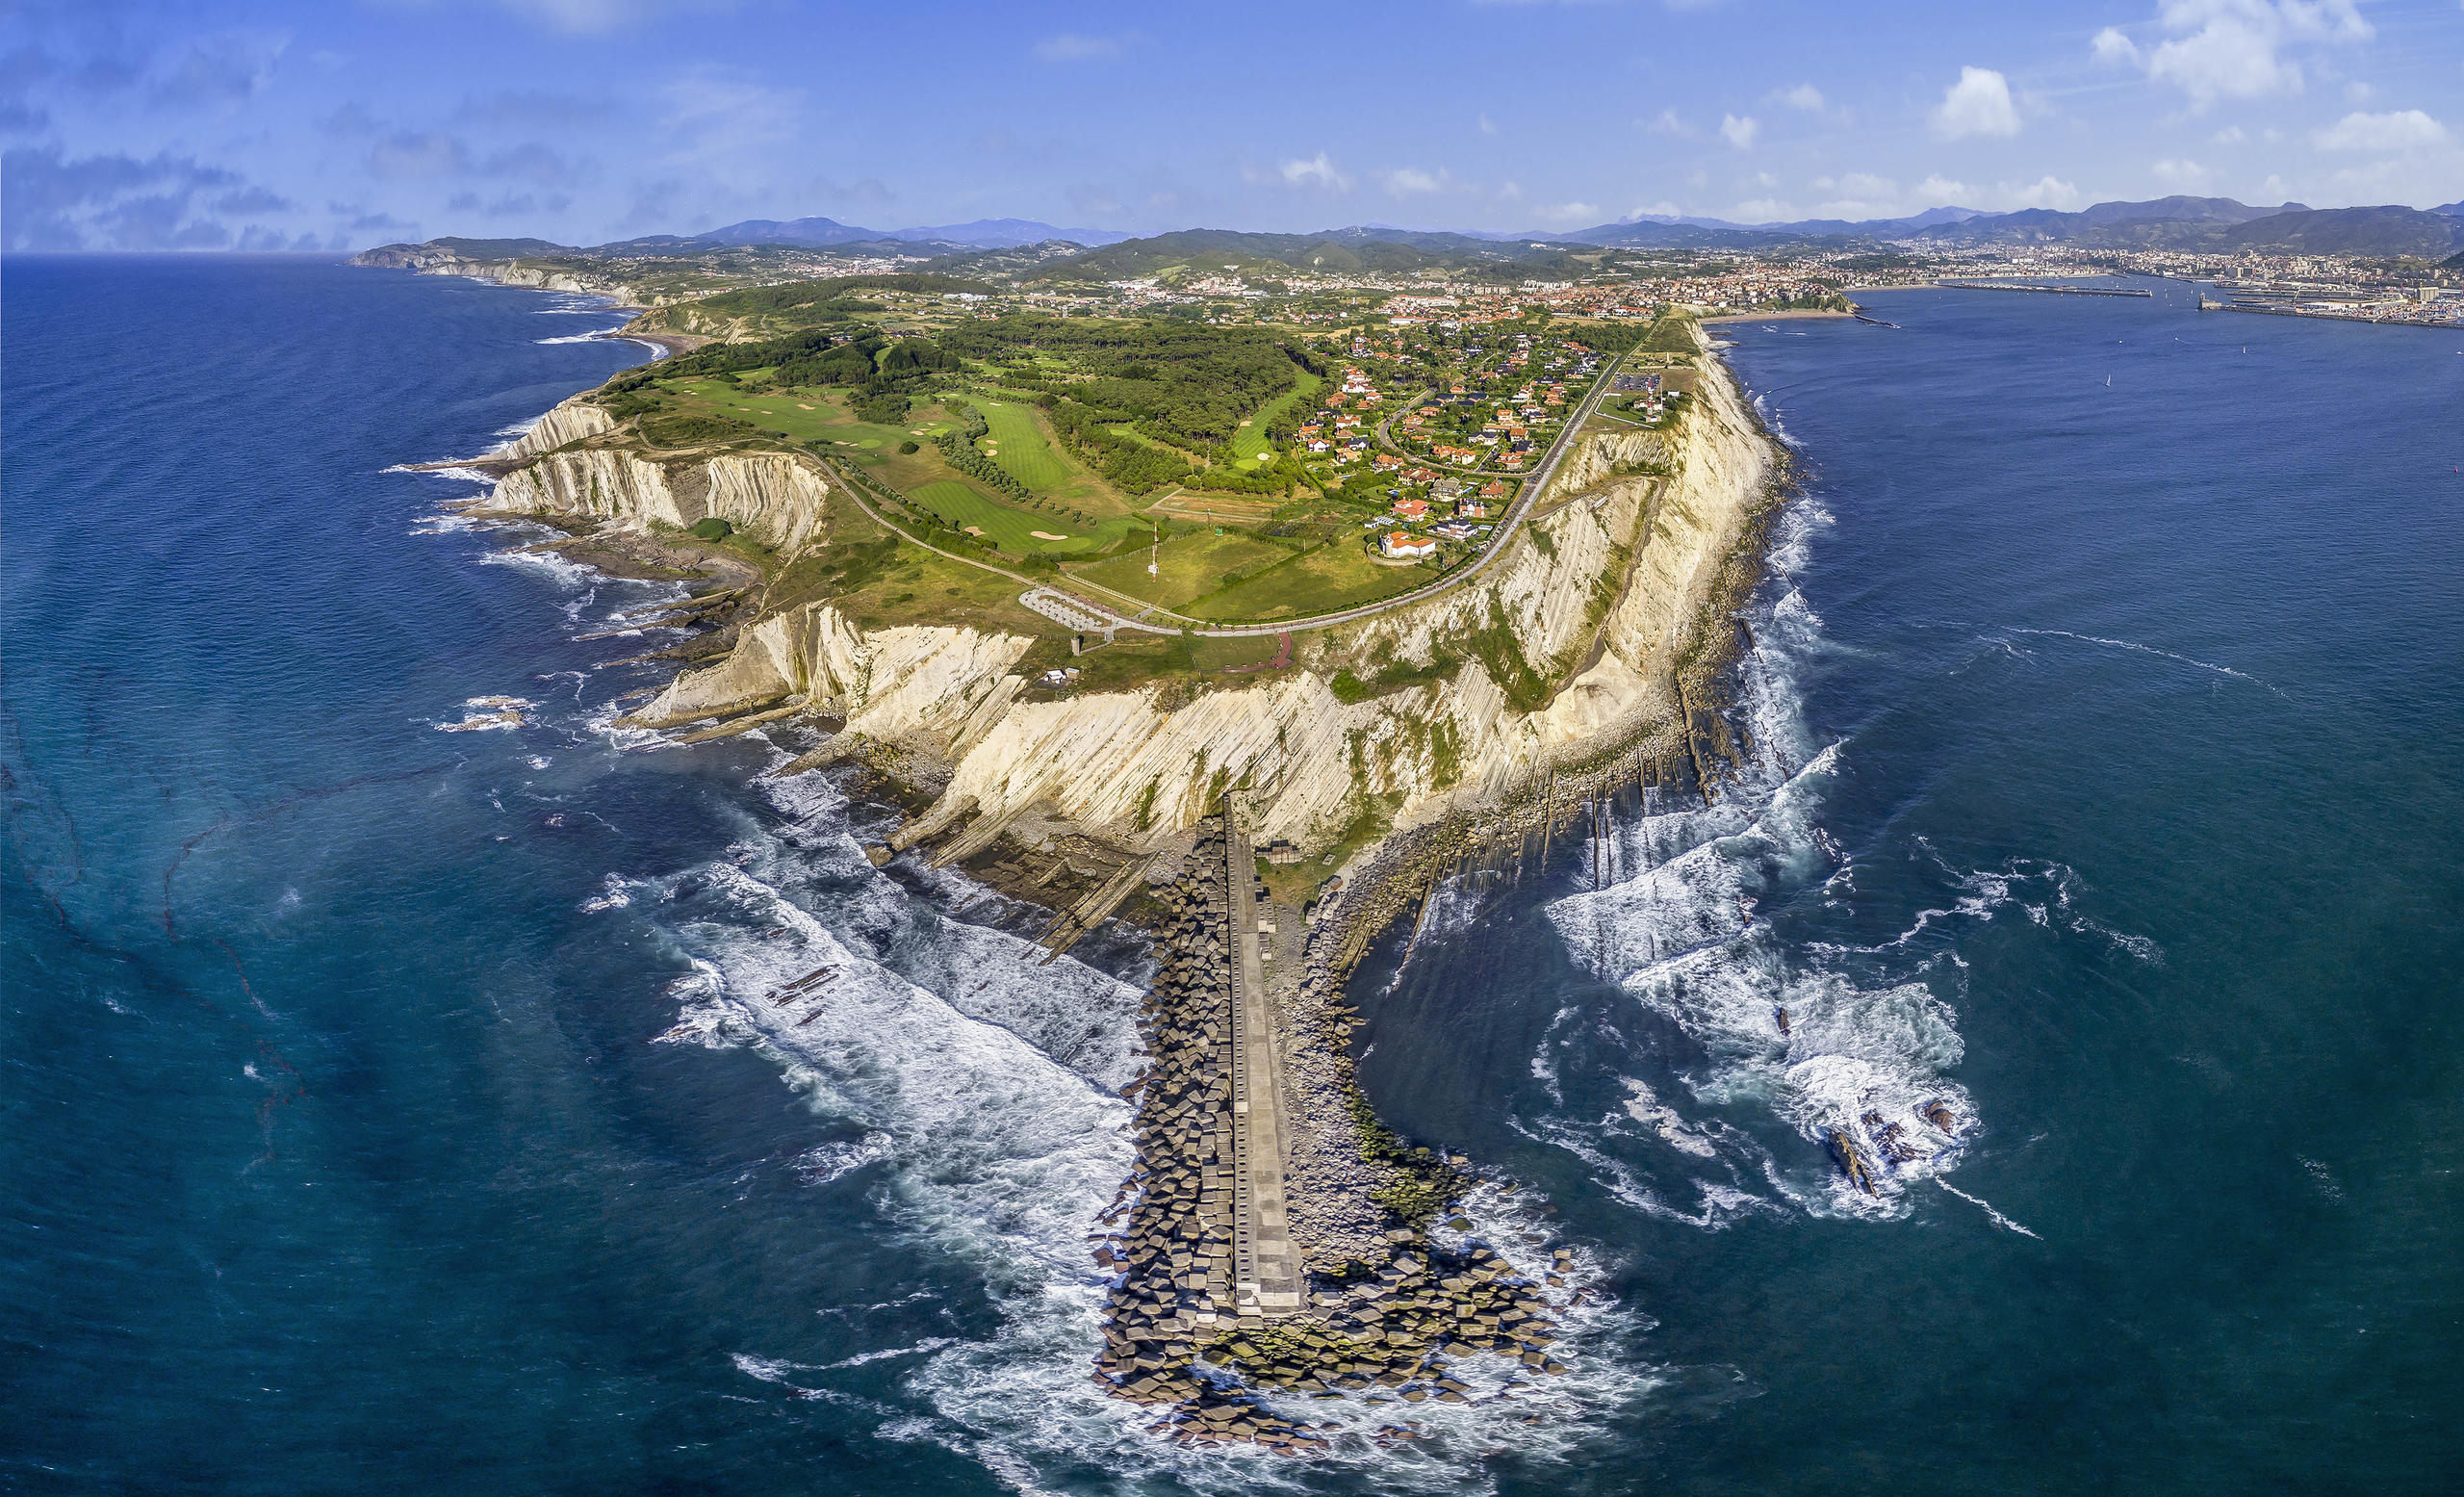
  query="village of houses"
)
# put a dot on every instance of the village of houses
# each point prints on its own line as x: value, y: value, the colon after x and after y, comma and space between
x: 1441, y: 424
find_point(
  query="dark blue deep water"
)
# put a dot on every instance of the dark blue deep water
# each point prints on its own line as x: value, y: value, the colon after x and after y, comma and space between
x: 2105, y: 790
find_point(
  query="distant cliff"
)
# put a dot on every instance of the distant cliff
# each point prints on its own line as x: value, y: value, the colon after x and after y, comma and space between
x: 458, y: 257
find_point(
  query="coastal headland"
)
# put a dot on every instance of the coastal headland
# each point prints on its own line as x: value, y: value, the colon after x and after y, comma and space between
x: 1085, y: 727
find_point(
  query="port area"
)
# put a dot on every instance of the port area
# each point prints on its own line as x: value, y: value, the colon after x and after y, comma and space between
x: 2046, y: 291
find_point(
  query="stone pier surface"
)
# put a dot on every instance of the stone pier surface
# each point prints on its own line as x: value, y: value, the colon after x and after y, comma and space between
x: 1271, y: 1281
x: 1229, y: 1291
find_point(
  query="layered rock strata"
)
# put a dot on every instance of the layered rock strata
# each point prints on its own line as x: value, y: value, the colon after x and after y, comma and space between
x: 1573, y: 639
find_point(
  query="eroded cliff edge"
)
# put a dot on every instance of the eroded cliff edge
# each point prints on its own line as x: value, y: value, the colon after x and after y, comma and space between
x: 1398, y: 742
x: 1569, y: 643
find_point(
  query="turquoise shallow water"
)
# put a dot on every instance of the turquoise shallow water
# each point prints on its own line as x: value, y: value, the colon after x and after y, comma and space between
x: 2105, y: 789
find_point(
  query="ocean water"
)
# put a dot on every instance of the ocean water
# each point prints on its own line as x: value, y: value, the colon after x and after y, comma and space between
x: 392, y: 1107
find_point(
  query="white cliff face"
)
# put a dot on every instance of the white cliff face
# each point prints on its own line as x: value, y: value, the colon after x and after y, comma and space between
x: 948, y: 684
x: 776, y: 496
x: 430, y: 261
x: 1613, y: 577
x: 573, y: 421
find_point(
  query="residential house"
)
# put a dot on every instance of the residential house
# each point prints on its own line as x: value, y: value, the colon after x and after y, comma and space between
x: 1399, y: 543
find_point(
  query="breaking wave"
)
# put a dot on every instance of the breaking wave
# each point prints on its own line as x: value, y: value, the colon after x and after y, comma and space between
x: 1737, y: 1023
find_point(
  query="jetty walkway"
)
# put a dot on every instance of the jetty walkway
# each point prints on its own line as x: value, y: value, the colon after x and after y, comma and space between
x: 1267, y: 1280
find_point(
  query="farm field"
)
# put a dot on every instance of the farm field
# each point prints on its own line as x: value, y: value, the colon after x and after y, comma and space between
x: 1334, y: 576
x: 1191, y: 566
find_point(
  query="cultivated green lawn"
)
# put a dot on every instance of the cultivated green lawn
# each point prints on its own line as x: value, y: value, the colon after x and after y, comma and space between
x: 1013, y: 530
x: 1249, y: 443
x: 799, y: 415
x: 1189, y: 566
x: 1334, y: 576
x: 1024, y: 452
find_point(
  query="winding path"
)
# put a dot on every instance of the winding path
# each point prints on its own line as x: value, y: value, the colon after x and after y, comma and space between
x: 1515, y: 515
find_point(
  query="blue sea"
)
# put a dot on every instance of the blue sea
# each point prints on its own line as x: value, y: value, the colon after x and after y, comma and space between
x: 380, y: 1114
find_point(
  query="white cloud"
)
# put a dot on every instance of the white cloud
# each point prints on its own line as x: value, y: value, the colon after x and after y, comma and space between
x: 2234, y: 49
x: 2188, y: 175
x: 1805, y: 96
x: 1859, y: 184
x: 1581, y: 213
x: 1739, y: 132
x: 1403, y: 181
x: 2396, y: 130
x: 1662, y: 209
x: 1488, y: 126
x: 1940, y: 191
x: 1314, y: 171
x: 1978, y: 104
x: 1761, y: 210
x: 2046, y: 192
x: 2230, y: 135
x: 1071, y: 47
x: 1669, y: 125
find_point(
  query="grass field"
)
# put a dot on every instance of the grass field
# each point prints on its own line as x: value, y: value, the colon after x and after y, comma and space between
x: 962, y: 505
x: 1024, y: 452
x: 799, y: 415
x: 1249, y: 443
x: 1334, y: 576
x: 1189, y: 566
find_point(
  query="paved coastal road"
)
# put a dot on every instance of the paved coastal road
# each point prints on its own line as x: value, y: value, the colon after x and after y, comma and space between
x: 1076, y: 591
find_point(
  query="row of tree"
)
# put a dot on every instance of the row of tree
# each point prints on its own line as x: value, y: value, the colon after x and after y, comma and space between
x: 959, y: 451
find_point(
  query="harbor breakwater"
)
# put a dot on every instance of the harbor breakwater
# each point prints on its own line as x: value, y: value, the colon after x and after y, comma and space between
x: 1337, y: 1268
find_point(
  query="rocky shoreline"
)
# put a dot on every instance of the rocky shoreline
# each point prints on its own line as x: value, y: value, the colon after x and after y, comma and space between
x: 1388, y: 1307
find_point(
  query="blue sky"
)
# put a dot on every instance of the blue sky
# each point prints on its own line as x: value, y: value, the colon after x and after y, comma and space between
x: 345, y: 123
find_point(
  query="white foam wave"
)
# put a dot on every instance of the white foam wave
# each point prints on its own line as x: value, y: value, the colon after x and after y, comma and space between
x: 573, y: 338
x: 489, y: 714
x: 614, y: 893
x: 1663, y: 1119
x: 1996, y: 1217
x: 2146, y: 649
x: 557, y: 567
x: 1830, y: 1043
x: 829, y: 1162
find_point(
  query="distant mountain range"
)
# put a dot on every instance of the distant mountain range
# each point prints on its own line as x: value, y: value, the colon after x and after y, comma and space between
x: 981, y: 234
x: 2215, y: 223
x: 2191, y: 224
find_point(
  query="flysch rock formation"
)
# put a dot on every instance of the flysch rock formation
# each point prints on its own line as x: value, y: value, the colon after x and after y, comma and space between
x: 427, y: 260
x: 566, y: 467
x: 1609, y: 581
x: 1568, y: 647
